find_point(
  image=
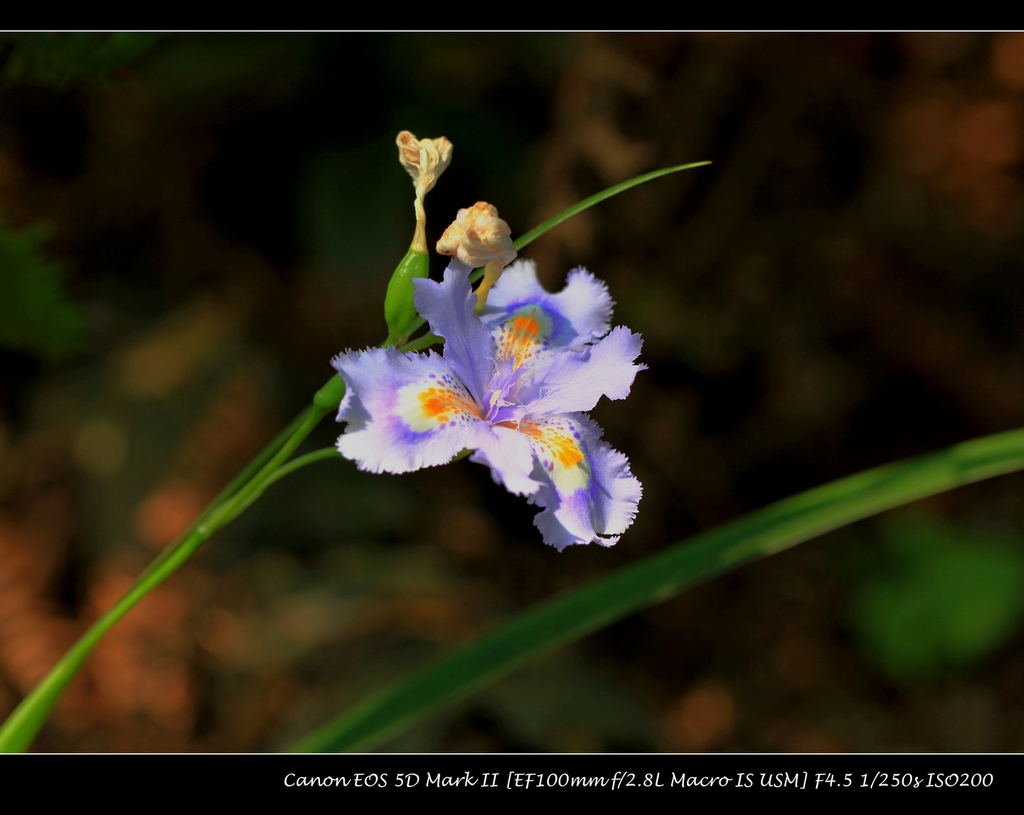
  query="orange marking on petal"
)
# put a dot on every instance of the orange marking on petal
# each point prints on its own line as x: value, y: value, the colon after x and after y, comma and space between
x: 563, y: 447
x: 569, y: 455
x: 436, y: 403
x: 424, y: 407
x: 526, y: 326
x: 519, y: 338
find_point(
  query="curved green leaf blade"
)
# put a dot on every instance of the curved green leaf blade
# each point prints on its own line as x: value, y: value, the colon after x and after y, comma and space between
x: 525, y: 240
x: 661, y: 576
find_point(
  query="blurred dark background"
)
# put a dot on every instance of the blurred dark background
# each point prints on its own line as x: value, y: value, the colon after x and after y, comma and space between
x: 192, y: 225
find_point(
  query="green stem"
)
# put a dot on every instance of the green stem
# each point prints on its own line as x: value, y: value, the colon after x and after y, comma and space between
x: 420, y: 343
x: 661, y: 576
x: 235, y: 484
x: 323, y: 454
x: 293, y: 465
x: 237, y: 504
x: 21, y: 727
x: 257, y: 463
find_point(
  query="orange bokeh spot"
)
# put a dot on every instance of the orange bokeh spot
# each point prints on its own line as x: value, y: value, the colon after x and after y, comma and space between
x: 703, y: 717
x: 166, y: 513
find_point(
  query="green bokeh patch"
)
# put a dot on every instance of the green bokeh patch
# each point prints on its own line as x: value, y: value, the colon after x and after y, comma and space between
x: 944, y: 599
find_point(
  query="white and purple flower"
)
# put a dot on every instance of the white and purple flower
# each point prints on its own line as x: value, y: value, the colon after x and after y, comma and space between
x: 511, y: 385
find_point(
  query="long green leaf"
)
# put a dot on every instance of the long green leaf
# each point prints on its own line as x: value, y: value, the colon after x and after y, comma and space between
x: 525, y: 240
x: 661, y: 576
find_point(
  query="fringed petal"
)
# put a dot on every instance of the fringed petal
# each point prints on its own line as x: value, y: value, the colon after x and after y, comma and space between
x: 578, y: 314
x: 565, y: 381
x: 404, y: 411
x: 589, y: 495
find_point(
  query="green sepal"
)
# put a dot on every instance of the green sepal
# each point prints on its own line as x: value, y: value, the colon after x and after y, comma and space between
x: 399, y: 310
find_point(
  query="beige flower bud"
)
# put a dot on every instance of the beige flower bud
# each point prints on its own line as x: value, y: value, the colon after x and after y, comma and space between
x: 424, y: 159
x: 478, y: 237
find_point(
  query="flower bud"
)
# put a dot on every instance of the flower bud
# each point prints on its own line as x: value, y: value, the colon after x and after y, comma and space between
x: 478, y: 237
x: 424, y: 159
